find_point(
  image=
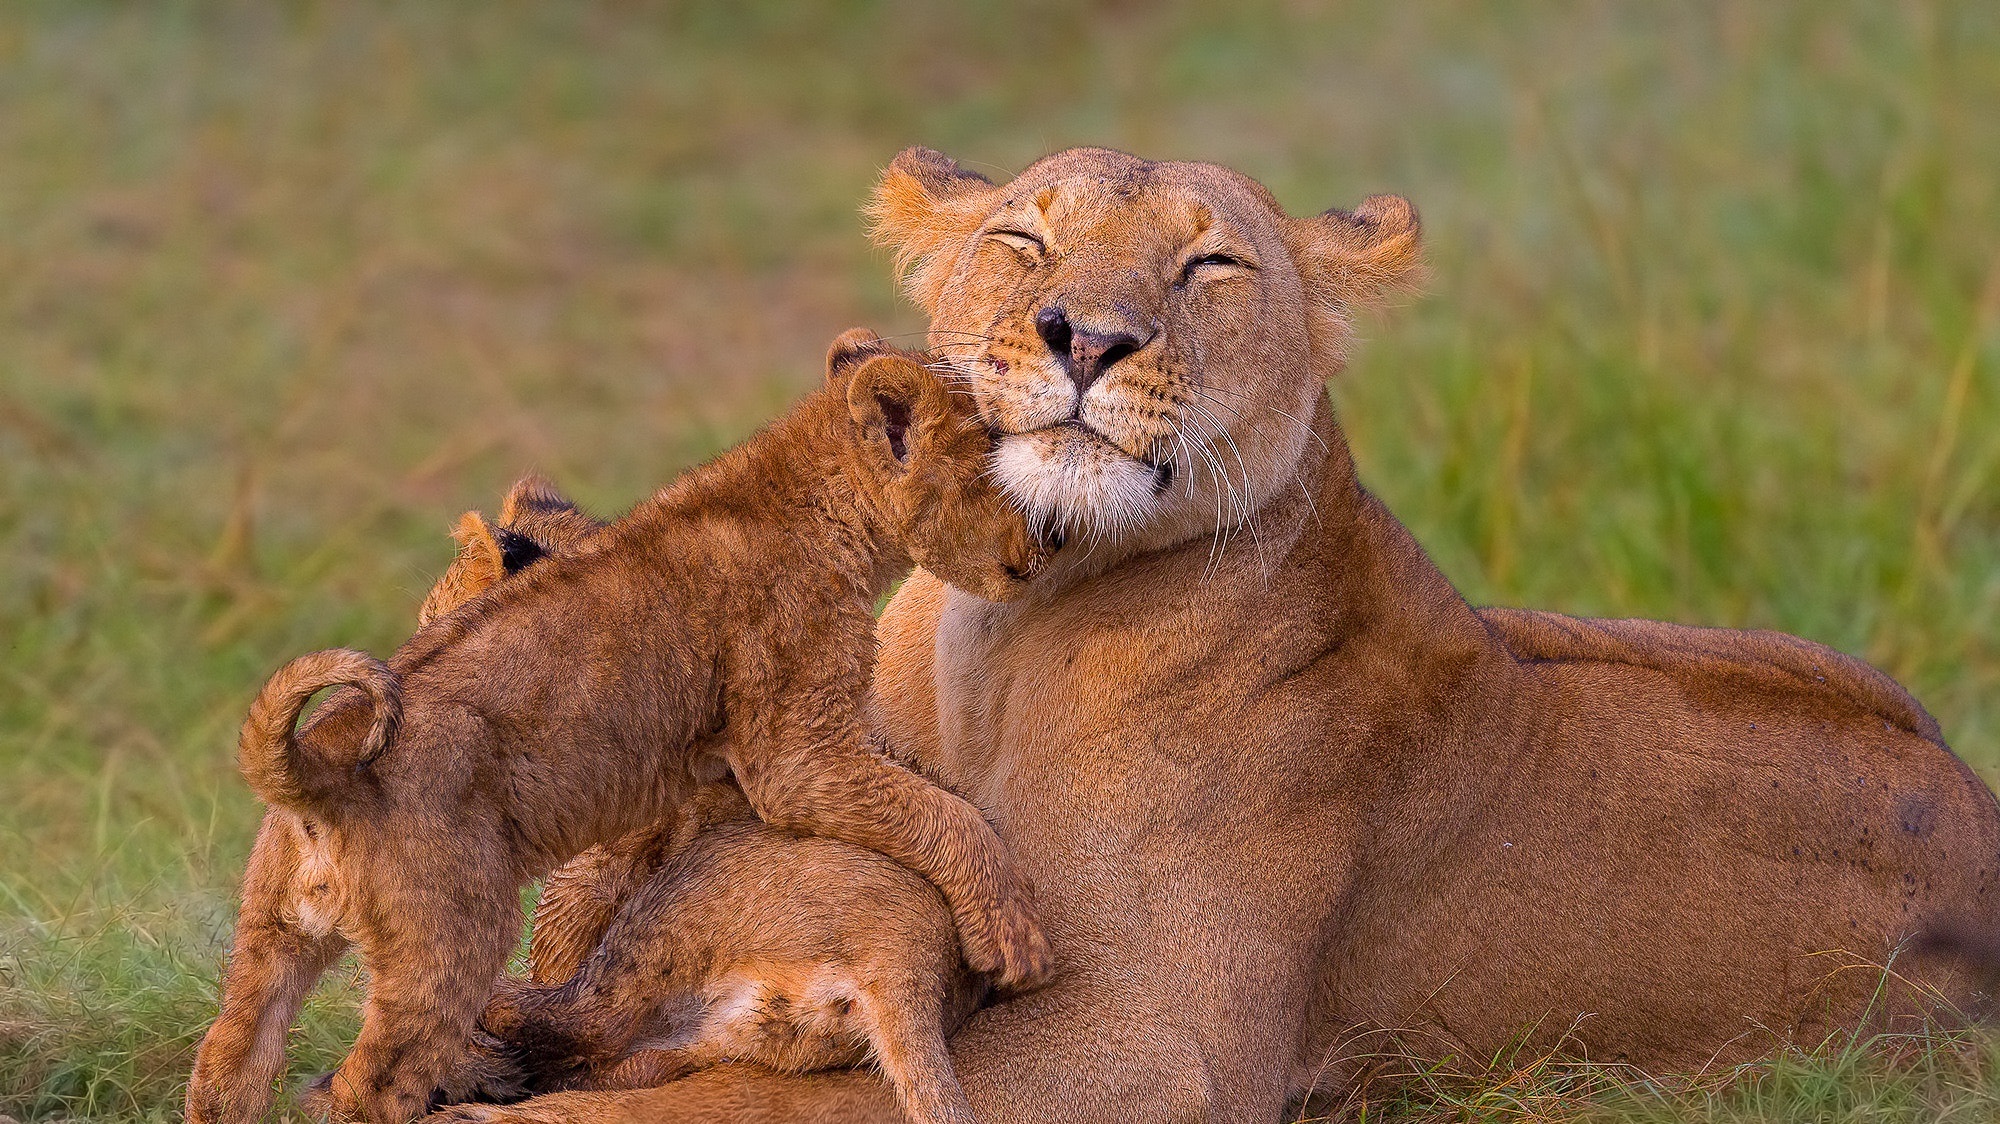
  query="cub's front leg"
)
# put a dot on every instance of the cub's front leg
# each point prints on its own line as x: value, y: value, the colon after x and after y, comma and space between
x: 808, y: 765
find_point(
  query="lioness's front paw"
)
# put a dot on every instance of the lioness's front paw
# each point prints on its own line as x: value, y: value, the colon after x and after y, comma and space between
x: 1007, y: 944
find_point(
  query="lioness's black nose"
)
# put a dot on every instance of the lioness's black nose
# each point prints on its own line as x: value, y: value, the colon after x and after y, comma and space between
x: 1086, y: 355
x: 1053, y: 327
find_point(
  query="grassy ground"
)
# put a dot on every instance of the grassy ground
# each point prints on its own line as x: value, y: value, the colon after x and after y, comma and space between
x: 1712, y: 336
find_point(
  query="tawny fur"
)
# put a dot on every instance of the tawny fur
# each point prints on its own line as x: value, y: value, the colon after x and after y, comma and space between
x: 746, y: 943
x: 733, y: 939
x: 293, y: 895
x: 564, y: 708
x: 1286, y: 798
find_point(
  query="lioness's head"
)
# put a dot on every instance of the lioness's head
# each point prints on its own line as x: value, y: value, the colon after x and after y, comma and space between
x: 1149, y: 339
x: 924, y: 459
x: 535, y: 521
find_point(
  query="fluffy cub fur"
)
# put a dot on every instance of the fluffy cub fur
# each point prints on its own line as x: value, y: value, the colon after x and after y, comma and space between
x: 747, y: 943
x: 740, y: 942
x: 736, y: 941
x: 563, y: 709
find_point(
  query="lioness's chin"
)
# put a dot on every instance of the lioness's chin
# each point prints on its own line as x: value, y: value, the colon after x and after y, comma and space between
x: 1070, y: 478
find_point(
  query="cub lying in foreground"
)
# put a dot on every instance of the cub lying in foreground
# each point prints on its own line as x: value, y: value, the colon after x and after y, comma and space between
x: 746, y: 944
x: 560, y: 711
x: 733, y: 940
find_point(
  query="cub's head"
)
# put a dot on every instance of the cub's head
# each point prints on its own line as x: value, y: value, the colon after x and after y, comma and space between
x: 1149, y: 339
x: 925, y: 460
x: 535, y: 521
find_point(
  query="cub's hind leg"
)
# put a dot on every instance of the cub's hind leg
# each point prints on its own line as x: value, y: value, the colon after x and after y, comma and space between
x: 907, y: 1036
x: 433, y: 953
x: 273, y: 964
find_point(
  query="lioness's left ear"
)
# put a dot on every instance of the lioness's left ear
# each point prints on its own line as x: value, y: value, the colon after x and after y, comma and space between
x: 924, y: 209
x: 1356, y: 259
x: 889, y: 396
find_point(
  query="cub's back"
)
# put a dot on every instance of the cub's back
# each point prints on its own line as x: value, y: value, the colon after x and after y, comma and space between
x: 746, y: 891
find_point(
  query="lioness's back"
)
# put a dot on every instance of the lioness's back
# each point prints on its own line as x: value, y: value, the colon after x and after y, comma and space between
x: 1773, y: 663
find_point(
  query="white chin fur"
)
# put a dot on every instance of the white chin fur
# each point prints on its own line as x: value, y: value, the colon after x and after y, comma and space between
x: 1074, y: 480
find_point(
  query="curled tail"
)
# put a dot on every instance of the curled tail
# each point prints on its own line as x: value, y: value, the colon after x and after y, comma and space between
x: 284, y: 773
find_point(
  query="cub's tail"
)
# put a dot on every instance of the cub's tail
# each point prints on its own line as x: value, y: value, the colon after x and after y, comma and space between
x: 279, y: 769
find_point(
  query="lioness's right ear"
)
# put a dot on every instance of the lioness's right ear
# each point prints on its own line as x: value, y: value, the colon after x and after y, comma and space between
x: 924, y: 209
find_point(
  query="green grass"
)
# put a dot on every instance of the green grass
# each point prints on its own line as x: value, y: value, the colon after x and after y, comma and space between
x: 1711, y: 336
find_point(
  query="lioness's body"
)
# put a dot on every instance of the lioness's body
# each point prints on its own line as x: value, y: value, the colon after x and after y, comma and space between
x: 1282, y: 798
x: 1363, y: 812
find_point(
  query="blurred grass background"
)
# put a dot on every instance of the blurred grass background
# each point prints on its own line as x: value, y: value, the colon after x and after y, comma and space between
x: 284, y: 287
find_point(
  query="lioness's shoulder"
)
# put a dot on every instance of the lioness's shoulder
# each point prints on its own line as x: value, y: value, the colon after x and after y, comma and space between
x: 1771, y: 660
x: 902, y: 702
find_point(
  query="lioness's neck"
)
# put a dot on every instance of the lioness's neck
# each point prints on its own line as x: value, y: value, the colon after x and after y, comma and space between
x: 1325, y: 538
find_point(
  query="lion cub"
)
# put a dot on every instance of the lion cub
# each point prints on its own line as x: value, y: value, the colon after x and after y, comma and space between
x: 737, y: 942
x: 747, y: 944
x: 560, y: 709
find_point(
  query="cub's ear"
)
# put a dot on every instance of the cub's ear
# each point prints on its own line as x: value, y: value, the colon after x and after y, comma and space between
x: 487, y: 553
x: 481, y: 561
x: 848, y: 348
x: 924, y: 209
x: 479, y: 567
x: 536, y: 520
x: 1355, y: 259
x: 531, y: 493
x: 891, y: 395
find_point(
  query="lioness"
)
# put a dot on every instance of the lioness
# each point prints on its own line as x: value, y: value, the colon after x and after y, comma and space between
x: 559, y: 710
x: 1283, y: 793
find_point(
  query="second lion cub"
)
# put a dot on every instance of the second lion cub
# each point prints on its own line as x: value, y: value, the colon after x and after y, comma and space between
x: 746, y: 944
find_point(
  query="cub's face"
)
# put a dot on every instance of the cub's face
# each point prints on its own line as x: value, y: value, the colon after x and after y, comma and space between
x: 1148, y: 339
x: 926, y: 458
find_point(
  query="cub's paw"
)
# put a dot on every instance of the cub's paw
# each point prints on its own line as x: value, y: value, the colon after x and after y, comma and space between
x: 490, y: 1072
x: 315, y: 1098
x: 1007, y: 944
